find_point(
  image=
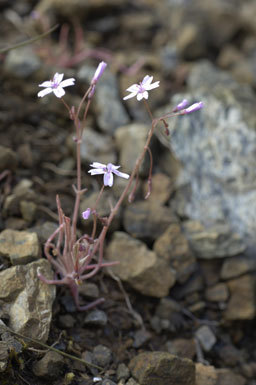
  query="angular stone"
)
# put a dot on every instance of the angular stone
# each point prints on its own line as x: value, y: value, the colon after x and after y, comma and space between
x: 162, y: 188
x: 22, y: 62
x: 182, y: 347
x: 236, y: 266
x: 242, y: 302
x: 28, y: 210
x: 139, y: 266
x: 206, y: 337
x: 130, y: 141
x: 161, y: 368
x: 173, y: 247
x: 49, y: 366
x: 22, y: 191
x: 217, y: 181
x: 213, y: 242
x: 206, y: 375
x: 102, y: 355
x: 27, y: 299
x: 147, y: 220
x: 96, y: 318
x: 20, y: 246
x: 227, y: 377
x: 217, y: 293
x: 8, y: 159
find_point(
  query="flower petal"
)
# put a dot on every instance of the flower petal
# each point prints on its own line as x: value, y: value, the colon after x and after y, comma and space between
x: 44, y: 92
x: 57, y: 78
x: 147, y: 80
x: 142, y: 95
x: 98, y: 165
x: 121, y: 174
x: 96, y: 171
x: 130, y: 96
x: 59, y: 92
x: 133, y: 88
x: 108, y: 179
x: 67, y: 82
x: 152, y: 86
x: 48, y: 83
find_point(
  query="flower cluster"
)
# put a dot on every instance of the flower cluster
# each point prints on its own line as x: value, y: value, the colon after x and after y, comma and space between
x: 76, y: 259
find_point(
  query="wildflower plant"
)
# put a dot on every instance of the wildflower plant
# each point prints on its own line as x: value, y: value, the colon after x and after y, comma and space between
x: 77, y: 259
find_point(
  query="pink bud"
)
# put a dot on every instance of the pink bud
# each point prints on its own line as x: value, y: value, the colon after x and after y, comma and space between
x: 86, y: 214
x: 181, y: 105
x: 98, y: 73
x: 194, y: 107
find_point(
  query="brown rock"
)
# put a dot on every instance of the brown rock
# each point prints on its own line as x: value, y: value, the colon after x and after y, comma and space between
x: 8, y: 159
x: 27, y: 299
x: 20, y: 246
x: 217, y: 293
x: 130, y: 141
x: 139, y: 266
x: 236, y: 266
x: 205, y: 375
x: 228, y: 377
x: 173, y: 247
x: 49, y: 366
x: 242, y: 302
x: 161, y: 368
x: 162, y: 187
x: 182, y: 347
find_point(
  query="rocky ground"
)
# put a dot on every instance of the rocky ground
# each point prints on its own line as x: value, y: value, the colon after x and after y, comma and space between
x: 180, y: 307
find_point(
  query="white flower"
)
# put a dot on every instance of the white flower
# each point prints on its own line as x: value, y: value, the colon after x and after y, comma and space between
x: 108, y: 171
x: 56, y: 86
x: 141, y: 90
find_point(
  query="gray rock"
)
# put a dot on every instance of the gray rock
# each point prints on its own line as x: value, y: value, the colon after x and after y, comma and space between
x: 139, y: 266
x: 20, y: 246
x: 8, y: 159
x: 22, y: 62
x: 89, y: 289
x: 95, y: 147
x: 161, y: 368
x: 44, y: 231
x: 206, y: 337
x: 96, y: 318
x: 27, y: 299
x: 217, y: 241
x: 110, y: 111
x: 216, y: 147
x: 22, y: 192
x: 242, y: 302
x: 141, y: 337
x: 50, y: 365
x: 147, y: 220
x: 102, y: 355
x: 66, y: 321
x: 122, y: 372
x: 4, y: 354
